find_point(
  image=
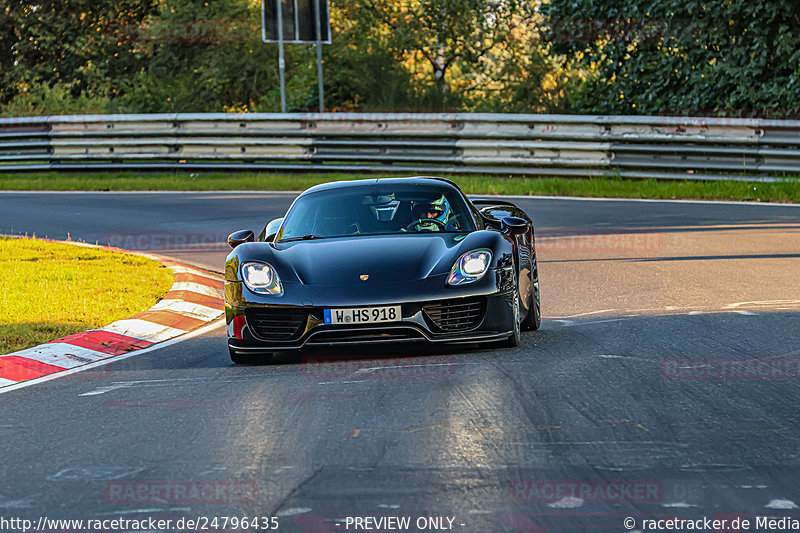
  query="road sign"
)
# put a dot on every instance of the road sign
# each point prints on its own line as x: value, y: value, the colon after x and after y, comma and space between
x: 299, y: 23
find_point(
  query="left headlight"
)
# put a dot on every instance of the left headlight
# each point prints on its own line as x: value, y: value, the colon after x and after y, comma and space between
x: 470, y: 267
x: 261, y: 278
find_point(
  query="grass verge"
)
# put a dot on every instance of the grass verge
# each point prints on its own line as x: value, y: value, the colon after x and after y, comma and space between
x: 50, y: 290
x: 610, y: 187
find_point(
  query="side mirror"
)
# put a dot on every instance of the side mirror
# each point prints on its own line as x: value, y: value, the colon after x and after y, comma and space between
x: 514, y: 225
x: 240, y: 237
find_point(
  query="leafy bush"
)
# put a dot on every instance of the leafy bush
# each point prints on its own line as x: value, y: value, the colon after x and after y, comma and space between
x: 37, y: 98
x: 684, y: 57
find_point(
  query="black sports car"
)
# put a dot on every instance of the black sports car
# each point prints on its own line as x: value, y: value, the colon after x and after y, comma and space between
x: 383, y: 260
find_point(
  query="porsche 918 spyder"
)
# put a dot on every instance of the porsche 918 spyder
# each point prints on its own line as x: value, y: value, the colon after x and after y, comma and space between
x: 382, y: 260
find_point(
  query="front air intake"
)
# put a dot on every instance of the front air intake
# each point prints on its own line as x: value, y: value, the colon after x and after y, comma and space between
x: 459, y: 314
x: 276, y: 323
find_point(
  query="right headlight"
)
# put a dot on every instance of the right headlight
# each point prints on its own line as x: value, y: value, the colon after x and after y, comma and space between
x: 261, y: 278
x: 470, y: 267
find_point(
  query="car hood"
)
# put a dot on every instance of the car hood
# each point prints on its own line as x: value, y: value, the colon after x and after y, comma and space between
x: 384, y: 258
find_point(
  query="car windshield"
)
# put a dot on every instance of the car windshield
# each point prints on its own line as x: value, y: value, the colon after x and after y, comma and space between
x: 376, y: 209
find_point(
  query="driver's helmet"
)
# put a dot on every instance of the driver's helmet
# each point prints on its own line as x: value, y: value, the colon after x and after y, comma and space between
x: 438, y: 209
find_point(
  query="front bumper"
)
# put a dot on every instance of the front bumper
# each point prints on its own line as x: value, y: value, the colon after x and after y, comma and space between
x: 254, y: 321
x: 260, y: 328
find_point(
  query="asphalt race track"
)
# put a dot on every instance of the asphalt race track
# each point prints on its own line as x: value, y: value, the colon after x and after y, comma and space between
x: 664, y: 383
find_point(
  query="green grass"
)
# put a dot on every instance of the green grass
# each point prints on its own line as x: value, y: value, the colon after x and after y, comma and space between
x: 50, y: 290
x: 781, y: 191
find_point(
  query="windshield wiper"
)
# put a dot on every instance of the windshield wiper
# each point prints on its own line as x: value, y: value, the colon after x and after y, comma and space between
x: 303, y: 238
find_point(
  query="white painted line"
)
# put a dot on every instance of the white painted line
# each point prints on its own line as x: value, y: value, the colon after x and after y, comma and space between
x: 781, y: 504
x: 294, y: 511
x: 142, y: 329
x: 61, y: 354
x: 179, y: 269
x: 677, y: 505
x: 590, y: 322
x: 647, y: 200
x: 56, y: 375
x: 146, y: 383
x: 763, y: 303
x: 159, y: 383
x: 569, y: 502
x: 163, y: 381
x: 135, y: 511
x: 591, y: 313
x: 187, y: 308
x: 486, y: 195
x: 103, y: 390
x: 371, y: 369
x: 4, y: 382
x: 196, y: 287
x: 201, y: 193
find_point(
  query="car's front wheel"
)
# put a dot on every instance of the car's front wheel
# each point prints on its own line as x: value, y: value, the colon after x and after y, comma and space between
x: 516, y: 336
x: 533, y: 320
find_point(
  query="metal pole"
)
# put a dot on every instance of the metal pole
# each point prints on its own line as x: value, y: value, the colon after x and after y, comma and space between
x: 321, y: 87
x: 281, y: 62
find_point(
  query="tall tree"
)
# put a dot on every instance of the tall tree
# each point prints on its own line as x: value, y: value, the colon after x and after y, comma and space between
x: 79, y: 43
x: 209, y: 57
x: 460, y: 47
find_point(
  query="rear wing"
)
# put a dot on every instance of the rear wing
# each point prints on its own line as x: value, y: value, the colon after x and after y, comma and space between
x: 494, y: 210
x: 490, y: 201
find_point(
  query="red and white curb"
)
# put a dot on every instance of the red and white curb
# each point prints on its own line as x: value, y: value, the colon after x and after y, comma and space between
x: 195, y: 300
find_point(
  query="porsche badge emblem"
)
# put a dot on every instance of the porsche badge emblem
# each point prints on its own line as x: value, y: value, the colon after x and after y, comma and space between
x: 364, y: 277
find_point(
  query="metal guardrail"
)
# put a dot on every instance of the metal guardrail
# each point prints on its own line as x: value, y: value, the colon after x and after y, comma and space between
x: 555, y: 145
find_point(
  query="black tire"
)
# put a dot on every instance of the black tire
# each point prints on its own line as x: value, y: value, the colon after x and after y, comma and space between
x: 249, y: 359
x: 516, y: 337
x: 533, y: 320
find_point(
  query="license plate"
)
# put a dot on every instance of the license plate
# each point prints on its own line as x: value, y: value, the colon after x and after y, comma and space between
x: 363, y: 315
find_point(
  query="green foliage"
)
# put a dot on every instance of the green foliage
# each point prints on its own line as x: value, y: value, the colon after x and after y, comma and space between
x: 513, y: 56
x: 77, y: 44
x: 141, y: 56
x: 361, y: 72
x: 457, y: 54
x: 38, y: 98
x: 683, y: 56
x: 201, y: 58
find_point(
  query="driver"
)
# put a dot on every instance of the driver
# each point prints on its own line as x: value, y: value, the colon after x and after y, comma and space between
x: 438, y: 209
